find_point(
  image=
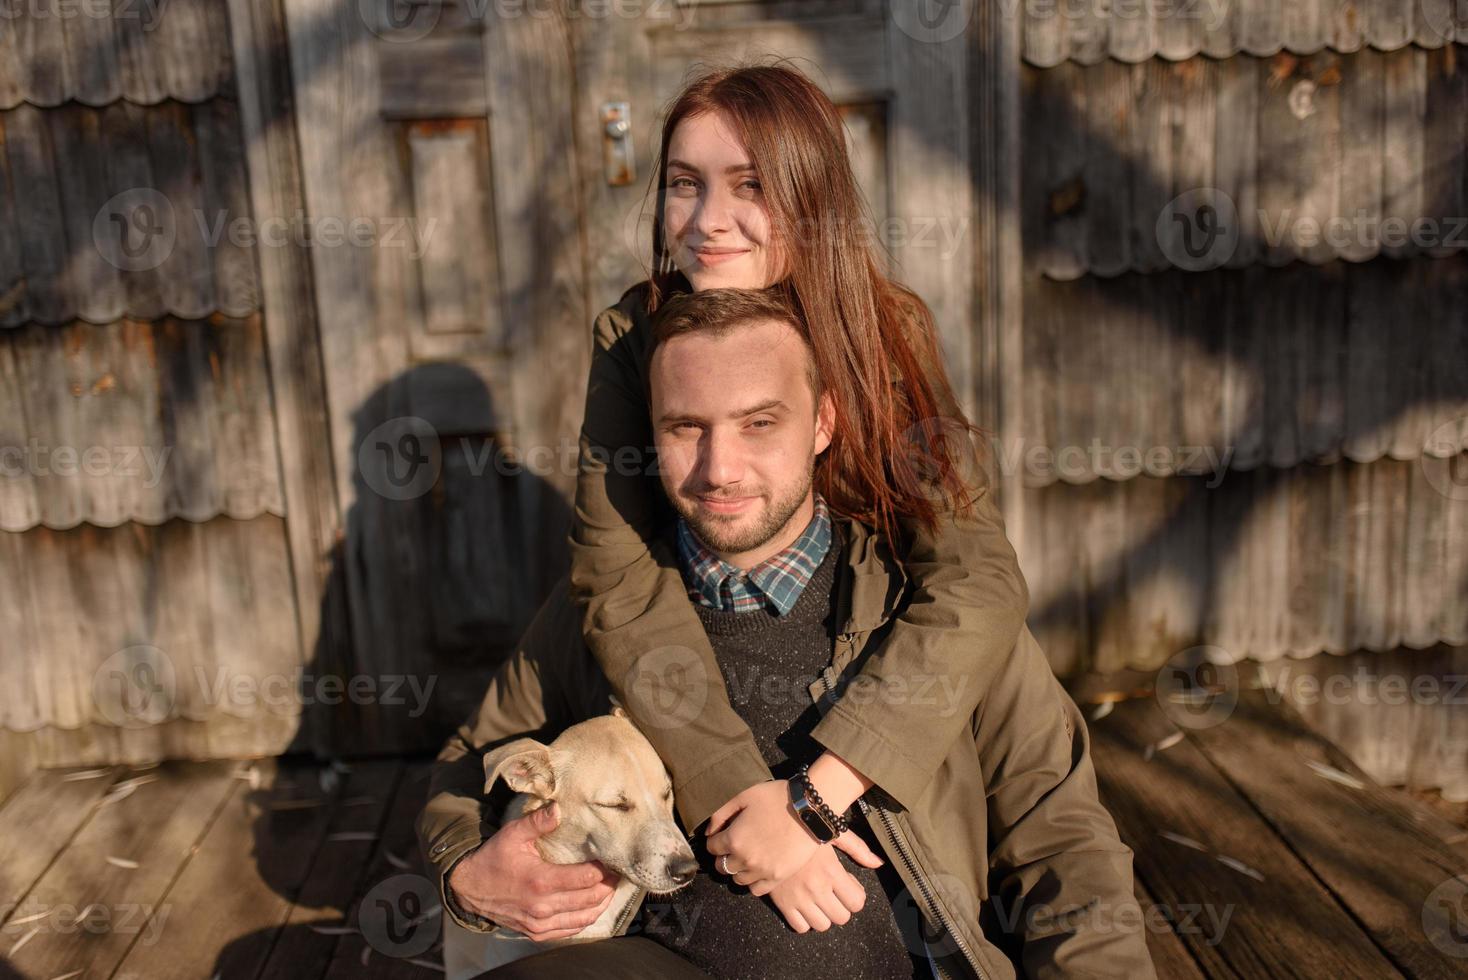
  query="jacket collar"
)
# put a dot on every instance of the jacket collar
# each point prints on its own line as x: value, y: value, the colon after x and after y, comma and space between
x: 872, y: 582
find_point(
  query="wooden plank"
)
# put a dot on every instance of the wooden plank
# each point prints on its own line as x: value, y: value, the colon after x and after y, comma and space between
x: 166, y: 419
x: 274, y: 168
x: 140, y: 71
x: 1133, y: 35
x: 222, y: 166
x: 1106, y: 181
x: 381, y: 957
x: 1153, y: 186
x: 1242, y: 352
x: 1236, y: 149
x: 1179, y: 30
x: 33, y: 174
x: 1445, y: 134
x: 90, y: 594
x: 1302, y: 27
x: 1279, y: 370
x: 12, y: 82
x: 450, y: 193
x: 93, y: 286
x: 92, y: 68
x: 1055, y: 137
x: 188, y: 45
x: 1404, y: 147
x: 1201, y: 370
x: 1317, y: 154
x: 1089, y: 29
x: 931, y: 179
x: 433, y: 77
x: 1391, y: 22
x: 1321, y: 392
x: 1362, y: 132
x: 12, y: 269
x: 38, y: 820
x: 1286, y: 925
x: 306, y: 944
x: 1260, y: 24
x: 186, y: 273
x: 156, y: 826
x: 1342, y: 832
x: 1282, y: 142
x: 1170, y: 956
x: 130, y: 172
x: 998, y: 251
x: 1135, y: 31
x: 263, y: 844
x: 1046, y: 42
x: 856, y: 58
x: 40, y: 41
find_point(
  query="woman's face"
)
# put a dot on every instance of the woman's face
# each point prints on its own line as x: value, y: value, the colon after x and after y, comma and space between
x: 715, y: 224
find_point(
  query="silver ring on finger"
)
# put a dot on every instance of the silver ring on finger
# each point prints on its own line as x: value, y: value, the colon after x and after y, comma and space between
x: 724, y: 865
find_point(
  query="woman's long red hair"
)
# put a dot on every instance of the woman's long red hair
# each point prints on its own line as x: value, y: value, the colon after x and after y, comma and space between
x: 875, y: 346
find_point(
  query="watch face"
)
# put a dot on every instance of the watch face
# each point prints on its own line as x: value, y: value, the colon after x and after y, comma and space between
x: 815, y: 824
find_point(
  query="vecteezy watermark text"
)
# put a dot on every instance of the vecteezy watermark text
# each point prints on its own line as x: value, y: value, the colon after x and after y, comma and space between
x: 37, y: 459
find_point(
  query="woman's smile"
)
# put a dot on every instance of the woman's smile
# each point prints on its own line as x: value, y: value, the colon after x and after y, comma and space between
x: 718, y: 256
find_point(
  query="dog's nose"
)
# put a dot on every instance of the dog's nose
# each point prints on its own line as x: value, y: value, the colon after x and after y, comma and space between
x: 682, y: 869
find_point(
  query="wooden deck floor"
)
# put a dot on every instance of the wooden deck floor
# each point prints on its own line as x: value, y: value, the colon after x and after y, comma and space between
x: 1263, y: 866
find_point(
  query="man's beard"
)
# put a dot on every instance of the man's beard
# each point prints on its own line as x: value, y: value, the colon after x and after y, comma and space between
x: 722, y: 533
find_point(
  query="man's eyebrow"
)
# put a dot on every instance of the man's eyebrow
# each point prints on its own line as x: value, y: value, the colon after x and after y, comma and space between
x: 769, y: 404
x: 735, y: 169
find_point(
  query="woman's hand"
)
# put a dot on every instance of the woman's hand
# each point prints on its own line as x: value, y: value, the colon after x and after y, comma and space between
x: 821, y: 894
x: 762, y: 843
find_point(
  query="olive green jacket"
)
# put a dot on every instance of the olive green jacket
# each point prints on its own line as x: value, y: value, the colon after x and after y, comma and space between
x: 966, y: 578
x: 1011, y: 810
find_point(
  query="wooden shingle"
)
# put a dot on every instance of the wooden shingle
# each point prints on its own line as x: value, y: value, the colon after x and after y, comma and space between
x: 1136, y: 30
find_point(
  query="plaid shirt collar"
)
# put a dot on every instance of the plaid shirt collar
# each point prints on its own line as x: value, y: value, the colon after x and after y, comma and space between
x: 775, y: 582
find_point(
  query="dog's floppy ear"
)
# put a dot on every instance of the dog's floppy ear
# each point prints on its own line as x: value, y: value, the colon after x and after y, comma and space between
x: 526, y: 766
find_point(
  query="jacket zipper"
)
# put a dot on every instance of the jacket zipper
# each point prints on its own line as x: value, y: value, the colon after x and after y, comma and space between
x: 632, y: 904
x: 900, y: 845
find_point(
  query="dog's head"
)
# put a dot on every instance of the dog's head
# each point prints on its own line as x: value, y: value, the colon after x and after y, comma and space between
x: 615, y: 798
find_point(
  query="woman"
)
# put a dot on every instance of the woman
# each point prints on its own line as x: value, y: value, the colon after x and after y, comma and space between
x: 755, y: 189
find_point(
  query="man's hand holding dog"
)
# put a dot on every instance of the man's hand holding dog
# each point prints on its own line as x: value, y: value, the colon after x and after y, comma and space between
x: 508, y: 881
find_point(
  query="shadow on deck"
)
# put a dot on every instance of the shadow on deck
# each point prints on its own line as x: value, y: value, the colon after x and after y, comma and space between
x: 1249, y: 862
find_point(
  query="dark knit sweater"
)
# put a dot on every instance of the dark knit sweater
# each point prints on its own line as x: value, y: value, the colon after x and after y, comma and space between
x: 767, y: 662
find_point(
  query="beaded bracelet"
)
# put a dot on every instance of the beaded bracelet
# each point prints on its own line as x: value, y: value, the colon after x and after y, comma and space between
x: 833, y: 820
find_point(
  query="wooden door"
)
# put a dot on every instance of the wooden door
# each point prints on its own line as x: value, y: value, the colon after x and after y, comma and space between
x: 442, y: 205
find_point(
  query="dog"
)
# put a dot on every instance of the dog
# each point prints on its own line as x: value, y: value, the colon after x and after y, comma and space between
x: 616, y: 804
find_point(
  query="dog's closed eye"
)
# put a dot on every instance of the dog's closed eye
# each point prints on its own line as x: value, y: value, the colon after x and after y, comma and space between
x: 616, y: 805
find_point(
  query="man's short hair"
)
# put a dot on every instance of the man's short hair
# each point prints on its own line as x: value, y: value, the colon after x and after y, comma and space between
x: 718, y: 312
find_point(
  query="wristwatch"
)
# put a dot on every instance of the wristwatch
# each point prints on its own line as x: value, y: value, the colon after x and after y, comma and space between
x: 817, y: 816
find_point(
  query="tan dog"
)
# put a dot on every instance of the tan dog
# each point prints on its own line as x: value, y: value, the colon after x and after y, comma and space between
x: 616, y: 804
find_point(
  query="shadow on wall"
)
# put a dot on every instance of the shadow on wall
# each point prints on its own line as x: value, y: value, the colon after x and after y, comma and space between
x: 449, y: 545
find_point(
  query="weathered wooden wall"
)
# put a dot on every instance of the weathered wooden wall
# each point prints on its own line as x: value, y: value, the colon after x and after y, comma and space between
x: 1260, y: 449
x: 1329, y: 382
x: 143, y: 542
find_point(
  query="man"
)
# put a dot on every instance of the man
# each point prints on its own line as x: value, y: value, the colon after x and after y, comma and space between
x: 1010, y: 818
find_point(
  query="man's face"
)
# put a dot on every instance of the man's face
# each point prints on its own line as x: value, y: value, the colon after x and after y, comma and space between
x: 737, y: 433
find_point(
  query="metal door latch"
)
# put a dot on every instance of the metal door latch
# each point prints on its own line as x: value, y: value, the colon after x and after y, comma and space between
x: 616, y: 143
